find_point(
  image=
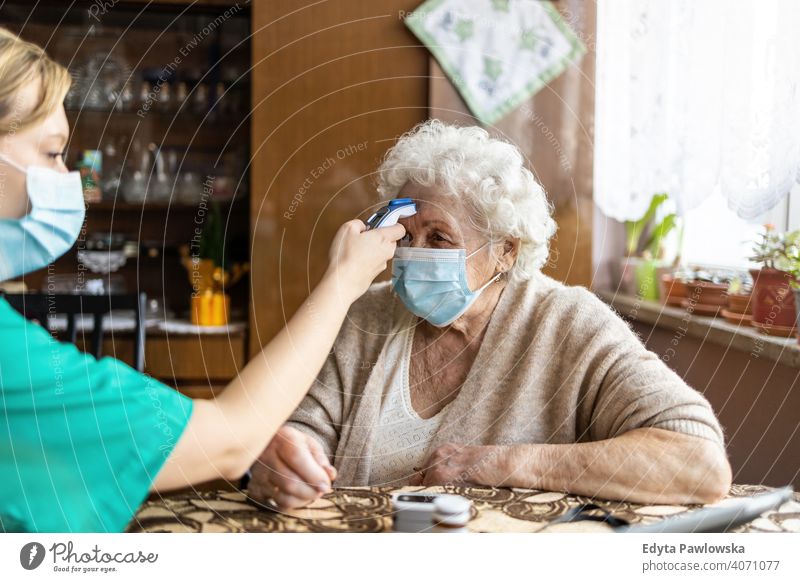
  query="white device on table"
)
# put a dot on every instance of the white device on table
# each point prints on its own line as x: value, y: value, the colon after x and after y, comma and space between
x: 413, y: 512
x: 392, y: 212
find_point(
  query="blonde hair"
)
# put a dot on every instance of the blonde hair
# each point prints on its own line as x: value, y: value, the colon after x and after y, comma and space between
x: 23, y: 62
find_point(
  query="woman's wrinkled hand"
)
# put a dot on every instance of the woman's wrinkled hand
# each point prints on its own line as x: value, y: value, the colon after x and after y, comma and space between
x: 293, y: 471
x: 359, y: 255
x: 452, y: 464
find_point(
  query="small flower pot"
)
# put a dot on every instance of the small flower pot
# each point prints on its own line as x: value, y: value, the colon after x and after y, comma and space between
x: 773, y: 299
x: 740, y: 303
x: 707, y: 293
x: 673, y: 290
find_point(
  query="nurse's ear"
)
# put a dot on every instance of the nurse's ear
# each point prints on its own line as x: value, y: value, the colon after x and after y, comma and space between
x: 507, y: 254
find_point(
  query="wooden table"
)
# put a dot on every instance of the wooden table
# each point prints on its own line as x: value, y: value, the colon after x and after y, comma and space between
x: 369, y: 510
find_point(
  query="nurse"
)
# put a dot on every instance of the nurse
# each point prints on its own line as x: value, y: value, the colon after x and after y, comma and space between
x: 83, y: 441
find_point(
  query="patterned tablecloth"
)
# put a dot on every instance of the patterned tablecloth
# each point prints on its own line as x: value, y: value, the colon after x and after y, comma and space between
x: 369, y: 510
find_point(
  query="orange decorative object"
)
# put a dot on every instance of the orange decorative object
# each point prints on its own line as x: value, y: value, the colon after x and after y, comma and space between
x: 210, y: 308
x: 210, y: 304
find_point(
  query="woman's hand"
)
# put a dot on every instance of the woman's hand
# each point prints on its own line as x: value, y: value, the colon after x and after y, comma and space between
x: 293, y: 471
x: 452, y: 464
x: 358, y: 255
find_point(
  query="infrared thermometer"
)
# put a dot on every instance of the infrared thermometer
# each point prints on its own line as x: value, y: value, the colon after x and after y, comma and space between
x: 391, y: 213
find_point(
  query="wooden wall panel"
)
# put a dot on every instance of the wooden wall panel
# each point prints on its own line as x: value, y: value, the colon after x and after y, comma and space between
x: 755, y: 399
x: 334, y: 84
x: 554, y: 130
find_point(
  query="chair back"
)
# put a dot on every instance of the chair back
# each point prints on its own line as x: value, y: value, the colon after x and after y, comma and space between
x: 39, y: 306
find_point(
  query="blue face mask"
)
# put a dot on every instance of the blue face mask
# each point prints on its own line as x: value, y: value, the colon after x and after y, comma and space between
x: 52, y: 226
x: 432, y: 283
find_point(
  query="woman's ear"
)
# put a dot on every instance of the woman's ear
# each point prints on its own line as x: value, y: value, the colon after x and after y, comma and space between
x: 509, y: 254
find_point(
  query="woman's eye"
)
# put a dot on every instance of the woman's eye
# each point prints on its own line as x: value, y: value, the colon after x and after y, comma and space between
x: 438, y: 237
x: 406, y: 240
x: 61, y: 154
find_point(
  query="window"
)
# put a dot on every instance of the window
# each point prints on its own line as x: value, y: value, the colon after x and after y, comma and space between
x: 701, y: 102
x: 715, y: 236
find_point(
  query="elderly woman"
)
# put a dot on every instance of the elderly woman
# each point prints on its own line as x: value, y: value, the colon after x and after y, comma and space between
x: 474, y: 367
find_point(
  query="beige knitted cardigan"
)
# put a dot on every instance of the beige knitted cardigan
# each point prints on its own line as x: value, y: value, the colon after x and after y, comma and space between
x: 556, y: 366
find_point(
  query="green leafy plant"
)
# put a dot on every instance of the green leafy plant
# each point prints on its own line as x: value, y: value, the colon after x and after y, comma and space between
x: 778, y: 250
x: 735, y: 286
x: 645, y: 236
x: 212, y: 240
x: 783, y: 253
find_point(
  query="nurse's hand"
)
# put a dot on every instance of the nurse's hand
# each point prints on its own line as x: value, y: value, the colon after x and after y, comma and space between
x: 359, y: 255
x: 293, y: 471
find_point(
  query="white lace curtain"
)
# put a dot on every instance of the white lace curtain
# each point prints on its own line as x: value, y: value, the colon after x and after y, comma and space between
x: 693, y: 97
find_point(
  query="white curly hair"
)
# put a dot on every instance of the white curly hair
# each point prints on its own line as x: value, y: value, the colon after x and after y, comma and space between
x: 485, y: 174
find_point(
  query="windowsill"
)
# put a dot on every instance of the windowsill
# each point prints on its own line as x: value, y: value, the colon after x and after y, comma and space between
x: 706, y: 328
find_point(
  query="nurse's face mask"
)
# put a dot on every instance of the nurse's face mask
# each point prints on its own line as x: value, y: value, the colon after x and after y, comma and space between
x: 50, y: 228
x: 432, y: 283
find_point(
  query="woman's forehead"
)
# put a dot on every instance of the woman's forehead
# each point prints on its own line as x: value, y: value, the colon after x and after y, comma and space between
x: 440, y: 213
x: 26, y: 98
x: 434, y: 204
x: 54, y: 125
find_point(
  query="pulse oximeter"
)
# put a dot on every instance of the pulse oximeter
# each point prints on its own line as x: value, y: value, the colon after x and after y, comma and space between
x: 392, y: 212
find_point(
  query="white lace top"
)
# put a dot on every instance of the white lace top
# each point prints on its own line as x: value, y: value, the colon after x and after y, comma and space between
x: 402, y: 437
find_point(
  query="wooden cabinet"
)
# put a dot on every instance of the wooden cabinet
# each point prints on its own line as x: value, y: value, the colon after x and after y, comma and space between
x: 161, y: 92
x: 198, y: 365
x: 185, y: 358
x: 172, y: 83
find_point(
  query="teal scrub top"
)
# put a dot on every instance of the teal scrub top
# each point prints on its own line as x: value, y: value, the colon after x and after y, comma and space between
x: 81, y: 439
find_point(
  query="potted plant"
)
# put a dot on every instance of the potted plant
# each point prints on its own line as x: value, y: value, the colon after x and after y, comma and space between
x: 675, y: 287
x: 739, y: 309
x: 773, y: 301
x: 696, y: 288
x: 644, y: 250
x: 701, y: 291
x: 210, y: 273
x: 739, y: 296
